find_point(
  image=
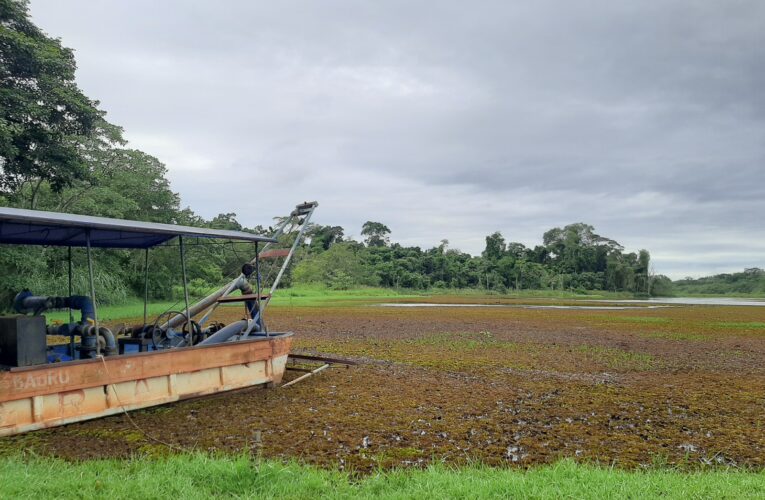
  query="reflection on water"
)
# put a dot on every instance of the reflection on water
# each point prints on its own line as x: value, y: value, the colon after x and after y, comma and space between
x: 653, y: 303
x: 692, y: 301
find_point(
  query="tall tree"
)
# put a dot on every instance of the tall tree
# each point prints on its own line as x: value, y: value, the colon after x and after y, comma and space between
x: 576, y: 248
x: 377, y: 234
x: 642, y: 271
x: 495, y: 247
x: 323, y: 237
x: 43, y: 114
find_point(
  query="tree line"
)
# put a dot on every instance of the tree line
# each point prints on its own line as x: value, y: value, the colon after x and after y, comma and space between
x: 751, y: 281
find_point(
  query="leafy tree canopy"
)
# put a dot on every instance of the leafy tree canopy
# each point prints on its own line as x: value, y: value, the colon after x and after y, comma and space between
x: 322, y: 237
x: 44, y: 117
x: 495, y: 246
x: 377, y: 234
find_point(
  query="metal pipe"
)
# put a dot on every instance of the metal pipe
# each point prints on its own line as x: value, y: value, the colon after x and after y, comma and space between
x: 225, y: 333
x: 258, y: 286
x: 92, y: 289
x: 146, y: 288
x: 109, y: 341
x: 186, y: 291
x: 257, y: 318
x: 26, y: 303
x: 83, y: 304
x: 211, y: 300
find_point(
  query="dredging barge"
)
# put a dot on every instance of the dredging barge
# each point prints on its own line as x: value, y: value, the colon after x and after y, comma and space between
x: 99, y: 373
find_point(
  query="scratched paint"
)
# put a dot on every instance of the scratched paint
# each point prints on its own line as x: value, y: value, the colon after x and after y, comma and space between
x: 44, y: 397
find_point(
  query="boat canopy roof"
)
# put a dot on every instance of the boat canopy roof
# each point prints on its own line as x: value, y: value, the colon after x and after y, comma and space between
x: 36, y: 227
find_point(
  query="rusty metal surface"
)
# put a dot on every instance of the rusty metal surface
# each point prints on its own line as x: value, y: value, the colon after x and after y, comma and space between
x: 276, y: 253
x: 44, y: 397
x: 46, y: 379
x: 323, y: 359
x: 243, y: 297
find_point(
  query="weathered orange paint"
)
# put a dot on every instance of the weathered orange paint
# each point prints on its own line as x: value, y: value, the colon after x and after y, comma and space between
x: 49, y: 395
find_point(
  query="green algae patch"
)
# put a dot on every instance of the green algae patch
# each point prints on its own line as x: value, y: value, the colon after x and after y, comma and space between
x: 644, y: 319
x: 679, y: 336
x: 745, y: 325
x: 618, y: 359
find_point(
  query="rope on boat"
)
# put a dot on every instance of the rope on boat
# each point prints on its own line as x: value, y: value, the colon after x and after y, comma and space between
x: 130, y: 419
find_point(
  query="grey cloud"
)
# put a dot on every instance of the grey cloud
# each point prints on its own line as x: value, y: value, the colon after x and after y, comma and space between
x: 449, y: 119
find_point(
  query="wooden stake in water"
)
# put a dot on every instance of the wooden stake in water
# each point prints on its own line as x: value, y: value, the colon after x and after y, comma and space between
x: 256, y: 445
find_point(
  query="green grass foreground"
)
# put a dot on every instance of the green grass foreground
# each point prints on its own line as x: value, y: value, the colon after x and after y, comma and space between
x: 202, y: 476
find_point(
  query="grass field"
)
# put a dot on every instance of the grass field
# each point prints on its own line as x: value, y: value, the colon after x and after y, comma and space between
x: 308, y: 296
x: 318, y: 296
x: 201, y: 476
x: 669, y: 402
x: 293, y: 297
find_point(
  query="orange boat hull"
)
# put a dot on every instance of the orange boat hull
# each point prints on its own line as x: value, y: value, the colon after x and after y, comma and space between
x: 56, y: 394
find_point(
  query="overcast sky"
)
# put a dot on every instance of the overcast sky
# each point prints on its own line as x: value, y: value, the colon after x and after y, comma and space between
x: 449, y: 119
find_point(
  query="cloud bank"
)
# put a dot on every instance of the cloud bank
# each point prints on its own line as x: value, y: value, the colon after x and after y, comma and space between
x: 449, y: 119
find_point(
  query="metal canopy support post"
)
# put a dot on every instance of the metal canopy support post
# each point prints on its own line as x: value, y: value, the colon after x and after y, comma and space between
x: 146, y: 288
x: 71, y: 312
x: 186, y: 290
x: 210, y: 303
x: 92, y: 291
x: 258, y: 287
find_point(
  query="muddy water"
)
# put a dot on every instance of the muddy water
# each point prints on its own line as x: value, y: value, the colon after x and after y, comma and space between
x: 619, y: 305
x: 692, y: 301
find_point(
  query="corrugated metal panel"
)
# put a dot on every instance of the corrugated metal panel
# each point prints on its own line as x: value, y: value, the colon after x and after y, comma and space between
x: 36, y: 227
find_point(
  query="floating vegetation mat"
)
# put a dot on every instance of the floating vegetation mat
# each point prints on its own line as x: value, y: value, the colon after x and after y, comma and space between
x: 682, y: 386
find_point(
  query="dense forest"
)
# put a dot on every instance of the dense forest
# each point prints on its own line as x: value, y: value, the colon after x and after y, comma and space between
x: 58, y: 152
x: 749, y: 282
x: 569, y: 258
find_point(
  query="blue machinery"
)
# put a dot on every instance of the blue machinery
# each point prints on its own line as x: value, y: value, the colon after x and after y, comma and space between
x: 93, y: 339
x: 172, y: 329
